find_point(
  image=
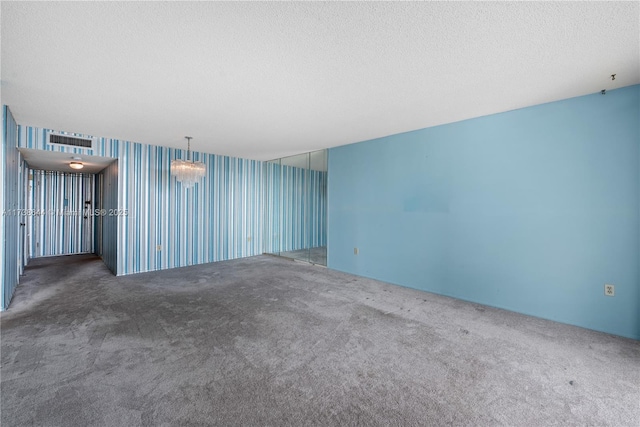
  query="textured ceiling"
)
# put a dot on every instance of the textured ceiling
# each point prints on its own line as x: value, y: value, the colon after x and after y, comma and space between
x: 264, y: 80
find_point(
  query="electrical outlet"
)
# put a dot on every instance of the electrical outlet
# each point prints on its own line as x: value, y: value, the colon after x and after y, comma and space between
x: 356, y: 251
x: 159, y: 248
x: 609, y: 290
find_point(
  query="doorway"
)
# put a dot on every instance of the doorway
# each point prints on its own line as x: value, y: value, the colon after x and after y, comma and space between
x: 61, y: 220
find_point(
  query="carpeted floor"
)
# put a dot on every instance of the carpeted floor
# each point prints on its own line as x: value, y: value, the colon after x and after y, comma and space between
x: 266, y: 341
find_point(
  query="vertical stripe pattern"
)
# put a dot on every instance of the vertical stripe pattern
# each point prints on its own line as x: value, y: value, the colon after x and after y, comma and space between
x: 61, y: 223
x: 10, y: 165
x: 163, y: 225
x: 295, y: 208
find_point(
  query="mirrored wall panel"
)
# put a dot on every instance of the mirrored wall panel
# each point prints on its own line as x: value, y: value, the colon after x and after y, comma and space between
x: 296, y: 214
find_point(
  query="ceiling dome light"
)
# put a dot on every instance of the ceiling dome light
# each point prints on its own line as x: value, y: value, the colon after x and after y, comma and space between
x: 188, y: 172
x: 76, y: 165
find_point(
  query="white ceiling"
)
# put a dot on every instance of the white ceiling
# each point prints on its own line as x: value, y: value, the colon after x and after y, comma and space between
x: 55, y: 161
x: 266, y: 80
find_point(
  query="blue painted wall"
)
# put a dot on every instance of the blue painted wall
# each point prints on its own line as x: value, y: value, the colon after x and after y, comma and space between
x: 10, y: 170
x: 532, y: 210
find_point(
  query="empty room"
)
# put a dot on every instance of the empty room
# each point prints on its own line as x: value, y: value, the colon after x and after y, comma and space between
x: 320, y: 213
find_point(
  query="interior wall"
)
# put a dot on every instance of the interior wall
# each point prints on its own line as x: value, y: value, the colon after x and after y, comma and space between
x: 107, y: 222
x: 318, y: 209
x: 161, y: 224
x: 62, y: 223
x: 25, y: 182
x: 295, y: 208
x: 272, y: 215
x: 3, y: 189
x: 12, y: 215
x: 531, y: 210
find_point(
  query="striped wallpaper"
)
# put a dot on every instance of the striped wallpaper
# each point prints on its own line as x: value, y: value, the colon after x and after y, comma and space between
x: 318, y: 209
x: 272, y: 194
x: 23, y: 245
x: 11, y: 172
x: 295, y: 209
x: 4, y: 283
x: 162, y: 225
x: 158, y: 224
x: 150, y: 221
x: 61, y: 223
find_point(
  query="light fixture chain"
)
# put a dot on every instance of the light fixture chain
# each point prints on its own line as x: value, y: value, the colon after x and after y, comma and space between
x: 188, y: 147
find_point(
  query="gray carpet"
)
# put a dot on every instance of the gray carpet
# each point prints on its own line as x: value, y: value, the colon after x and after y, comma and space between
x: 266, y: 341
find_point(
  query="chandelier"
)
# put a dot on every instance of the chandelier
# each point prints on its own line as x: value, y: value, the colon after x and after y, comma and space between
x: 188, y: 172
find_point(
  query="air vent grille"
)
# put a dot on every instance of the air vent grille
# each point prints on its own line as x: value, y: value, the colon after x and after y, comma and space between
x: 70, y: 140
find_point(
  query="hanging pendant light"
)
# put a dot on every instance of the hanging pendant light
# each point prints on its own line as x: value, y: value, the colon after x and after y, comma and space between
x: 188, y: 172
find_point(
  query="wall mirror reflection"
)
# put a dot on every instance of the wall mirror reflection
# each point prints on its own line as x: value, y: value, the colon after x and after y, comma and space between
x: 296, y: 214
